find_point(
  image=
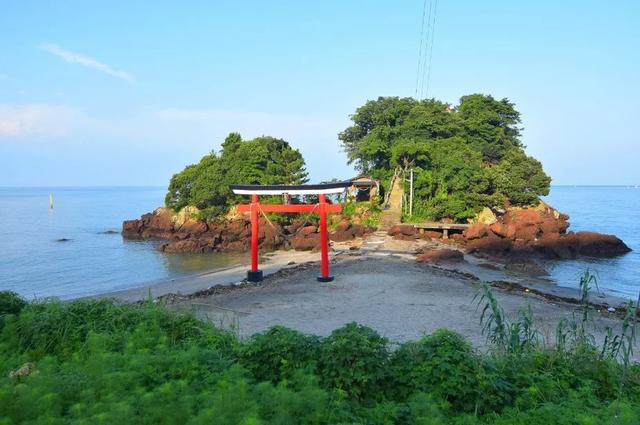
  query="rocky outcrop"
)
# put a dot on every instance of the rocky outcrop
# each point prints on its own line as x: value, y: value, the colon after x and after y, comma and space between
x: 572, y: 245
x: 306, y: 238
x: 345, y: 231
x: 183, y: 232
x: 541, y: 230
x: 406, y: 232
x: 440, y: 256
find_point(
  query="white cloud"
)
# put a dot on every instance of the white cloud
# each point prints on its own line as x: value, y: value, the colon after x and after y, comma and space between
x: 87, y: 61
x: 37, y: 121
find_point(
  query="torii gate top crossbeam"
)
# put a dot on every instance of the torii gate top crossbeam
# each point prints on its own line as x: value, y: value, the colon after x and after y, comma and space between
x: 280, y: 189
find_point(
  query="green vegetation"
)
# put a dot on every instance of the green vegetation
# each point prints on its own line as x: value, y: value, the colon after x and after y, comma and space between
x: 365, y: 212
x: 465, y: 158
x: 205, y: 185
x: 104, y: 362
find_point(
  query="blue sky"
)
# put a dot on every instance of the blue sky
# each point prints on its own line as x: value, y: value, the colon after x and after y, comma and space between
x: 128, y: 93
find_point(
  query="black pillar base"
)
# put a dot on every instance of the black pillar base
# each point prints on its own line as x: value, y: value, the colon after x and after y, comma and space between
x: 325, y: 279
x: 255, y: 276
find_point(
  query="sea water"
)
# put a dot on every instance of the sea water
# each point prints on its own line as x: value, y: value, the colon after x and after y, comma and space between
x: 606, y: 209
x: 75, y: 249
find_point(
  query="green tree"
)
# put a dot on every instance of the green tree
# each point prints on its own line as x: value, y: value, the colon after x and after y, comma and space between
x: 263, y: 160
x: 519, y: 178
x: 490, y: 125
x: 465, y: 158
x: 452, y: 182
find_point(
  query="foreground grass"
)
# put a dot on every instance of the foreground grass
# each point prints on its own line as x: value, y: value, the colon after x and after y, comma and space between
x: 102, y: 362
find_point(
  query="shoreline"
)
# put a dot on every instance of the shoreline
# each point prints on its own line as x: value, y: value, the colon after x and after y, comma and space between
x: 225, y: 276
x: 475, y: 268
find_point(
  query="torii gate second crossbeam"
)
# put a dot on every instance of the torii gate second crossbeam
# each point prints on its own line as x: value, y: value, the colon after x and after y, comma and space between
x: 322, y: 208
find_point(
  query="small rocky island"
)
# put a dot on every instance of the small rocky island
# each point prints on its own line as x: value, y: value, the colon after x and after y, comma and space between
x: 183, y: 233
x: 468, y: 166
x: 540, y: 231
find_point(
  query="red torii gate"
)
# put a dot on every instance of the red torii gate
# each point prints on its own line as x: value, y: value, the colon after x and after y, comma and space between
x: 321, y: 208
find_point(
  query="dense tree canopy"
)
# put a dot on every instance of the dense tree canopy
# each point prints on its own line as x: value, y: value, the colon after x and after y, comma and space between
x: 263, y: 160
x: 464, y: 158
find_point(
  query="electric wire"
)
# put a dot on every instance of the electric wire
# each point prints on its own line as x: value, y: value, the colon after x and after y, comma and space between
x: 426, y: 49
x: 424, y: 11
x: 433, y: 28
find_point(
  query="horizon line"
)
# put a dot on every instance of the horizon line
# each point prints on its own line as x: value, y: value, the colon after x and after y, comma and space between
x: 165, y: 186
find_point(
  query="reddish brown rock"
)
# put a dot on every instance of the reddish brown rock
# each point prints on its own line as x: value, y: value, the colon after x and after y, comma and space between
x: 403, y: 229
x: 572, y: 245
x: 157, y: 224
x: 185, y: 245
x: 347, y: 231
x: 522, y: 246
x: 185, y: 233
x: 402, y: 237
x: 360, y: 230
x: 431, y: 234
x: 305, y: 242
x: 491, y: 244
x: 553, y: 246
x: 476, y: 231
x: 503, y: 230
x: 343, y: 226
x: 193, y: 227
x: 307, y: 230
x: 296, y: 225
x: 341, y: 236
x: 600, y: 245
x: 527, y: 233
x: 131, y: 228
x: 522, y: 216
x: 440, y: 255
x: 237, y: 246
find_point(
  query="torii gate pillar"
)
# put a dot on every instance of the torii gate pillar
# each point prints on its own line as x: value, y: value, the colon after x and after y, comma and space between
x: 254, y: 275
x: 324, y: 241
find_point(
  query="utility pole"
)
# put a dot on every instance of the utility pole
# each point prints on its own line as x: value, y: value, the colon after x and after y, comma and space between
x: 411, y: 193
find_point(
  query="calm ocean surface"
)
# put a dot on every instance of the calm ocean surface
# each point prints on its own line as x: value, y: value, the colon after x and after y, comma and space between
x: 34, y: 264
x: 606, y: 209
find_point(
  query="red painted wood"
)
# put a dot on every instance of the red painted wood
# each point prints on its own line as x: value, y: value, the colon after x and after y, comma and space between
x: 324, y: 239
x: 254, y: 208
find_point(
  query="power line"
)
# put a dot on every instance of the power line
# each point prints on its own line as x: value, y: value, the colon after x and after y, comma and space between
x: 424, y: 10
x: 433, y: 28
x: 426, y: 49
